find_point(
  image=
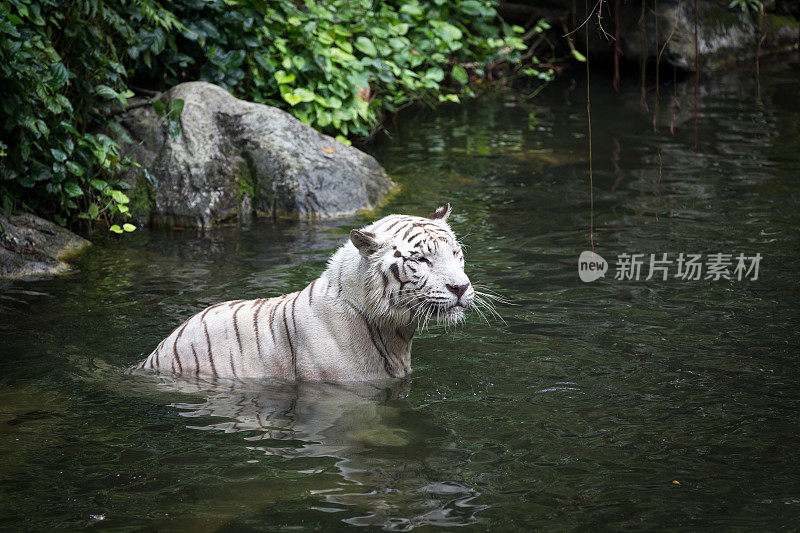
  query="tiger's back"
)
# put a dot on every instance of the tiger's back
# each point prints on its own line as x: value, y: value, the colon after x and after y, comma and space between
x: 224, y: 340
x: 295, y: 336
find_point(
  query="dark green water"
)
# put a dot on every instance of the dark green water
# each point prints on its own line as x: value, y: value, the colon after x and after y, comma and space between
x: 581, y: 411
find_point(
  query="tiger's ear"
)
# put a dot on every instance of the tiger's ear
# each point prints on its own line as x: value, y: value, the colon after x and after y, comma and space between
x: 365, y: 241
x: 442, y: 213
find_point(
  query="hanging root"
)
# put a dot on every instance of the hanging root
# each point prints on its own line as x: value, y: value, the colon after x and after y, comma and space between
x: 643, y: 59
x: 658, y: 70
x: 617, y: 47
x: 696, y: 76
x: 589, y: 121
x: 658, y: 62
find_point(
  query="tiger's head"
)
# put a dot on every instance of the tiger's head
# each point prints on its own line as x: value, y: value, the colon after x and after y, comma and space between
x: 415, y: 268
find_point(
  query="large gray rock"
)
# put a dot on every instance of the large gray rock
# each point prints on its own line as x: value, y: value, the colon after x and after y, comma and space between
x: 234, y: 159
x: 33, y: 247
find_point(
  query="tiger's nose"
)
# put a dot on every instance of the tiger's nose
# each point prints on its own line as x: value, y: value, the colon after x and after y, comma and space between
x: 458, y: 290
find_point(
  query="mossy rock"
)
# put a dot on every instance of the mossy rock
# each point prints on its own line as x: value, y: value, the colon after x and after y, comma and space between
x: 31, y: 247
x: 234, y: 159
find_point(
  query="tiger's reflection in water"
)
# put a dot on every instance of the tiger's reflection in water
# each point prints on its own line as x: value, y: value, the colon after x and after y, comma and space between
x: 399, y: 467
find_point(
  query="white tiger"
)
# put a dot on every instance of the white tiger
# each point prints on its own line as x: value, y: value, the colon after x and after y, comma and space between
x: 355, y: 322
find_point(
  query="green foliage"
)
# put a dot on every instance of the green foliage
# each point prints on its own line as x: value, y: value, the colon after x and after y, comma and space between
x: 125, y: 227
x: 67, y: 68
x: 747, y: 5
x: 62, y: 76
x: 335, y: 65
x: 170, y: 115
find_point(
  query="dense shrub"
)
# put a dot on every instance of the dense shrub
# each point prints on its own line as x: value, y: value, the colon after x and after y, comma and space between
x: 68, y: 68
x: 63, y: 73
x: 336, y: 65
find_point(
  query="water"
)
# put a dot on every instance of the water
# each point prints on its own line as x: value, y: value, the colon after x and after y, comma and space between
x: 611, y: 405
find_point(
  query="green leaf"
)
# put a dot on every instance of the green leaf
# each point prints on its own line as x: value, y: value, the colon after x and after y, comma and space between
x: 358, y: 79
x: 115, y: 229
x: 386, y: 76
x: 299, y: 62
x: 119, y: 197
x: 106, y: 92
x: 400, y: 29
x: 341, y: 57
x: 160, y: 108
x: 58, y: 155
x: 448, y: 32
x: 435, y: 74
x: 471, y: 7
x: 174, y: 129
x: 72, y: 189
x: 69, y: 127
x: 100, y: 185
x: 460, y: 75
x: 333, y: 102
x: 129, y: 227
x: 283, y: 78
x: 93, y: 211
x: 304, y: 94
x: 323, y: 118
x: 176, y: 107
x: 7, y: 28
x: 579, y: 56
x: 291, y: 98
x: 366, y: 46
x: 58, y: 75
x: 298, y: 95
x: 412, y: 9
x: 159, y: 41
x: 344, y: 32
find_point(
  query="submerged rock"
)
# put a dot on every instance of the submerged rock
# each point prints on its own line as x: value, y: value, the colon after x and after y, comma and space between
x: 32, y: 247
x: 725, y: 34
x: 233, y: 158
